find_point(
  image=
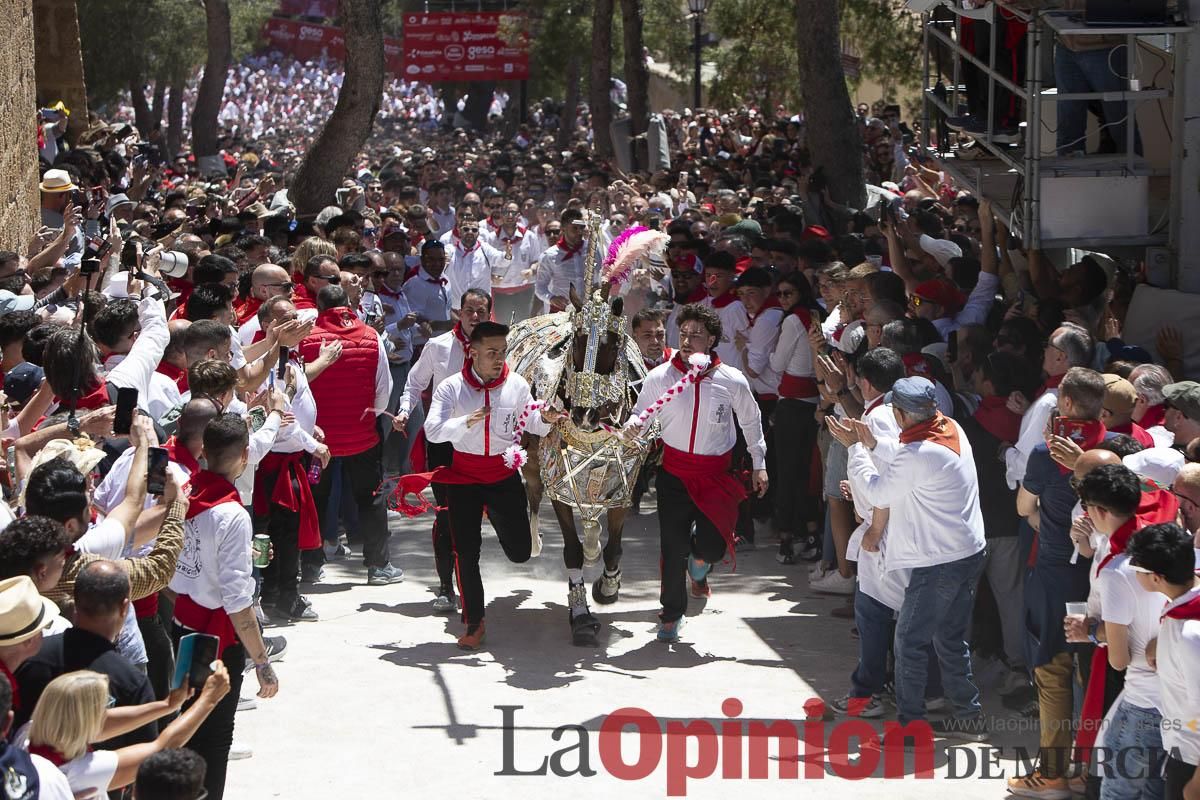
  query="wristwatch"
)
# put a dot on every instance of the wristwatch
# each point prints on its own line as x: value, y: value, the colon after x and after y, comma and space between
x: 1092, y: 627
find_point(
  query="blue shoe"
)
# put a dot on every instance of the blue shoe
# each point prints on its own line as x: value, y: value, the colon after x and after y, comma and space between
x: 697, y: 570
x: 668, y: 632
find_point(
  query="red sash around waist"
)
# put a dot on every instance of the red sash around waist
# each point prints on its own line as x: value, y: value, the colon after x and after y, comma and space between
x: 466, y: 468
x: 288, y: 466
x: 213, y: 621
x: 798, y: 387
x: 716, y: 492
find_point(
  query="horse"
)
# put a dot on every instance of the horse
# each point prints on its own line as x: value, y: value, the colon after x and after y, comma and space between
x: 586, y: 361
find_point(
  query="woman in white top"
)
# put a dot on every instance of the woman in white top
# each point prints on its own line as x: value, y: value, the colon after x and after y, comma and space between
x: 70, y: 715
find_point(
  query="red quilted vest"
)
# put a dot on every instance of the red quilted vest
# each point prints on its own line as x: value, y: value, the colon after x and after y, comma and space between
x: 347, y: 388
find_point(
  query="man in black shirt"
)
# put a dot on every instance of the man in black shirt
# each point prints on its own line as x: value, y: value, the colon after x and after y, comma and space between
x: 101, y: 603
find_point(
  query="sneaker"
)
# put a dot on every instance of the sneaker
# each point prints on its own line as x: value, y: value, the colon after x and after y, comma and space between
x: 818, y: 571
x: 698, y: 575
x: 810, y: 550
x: 238, y: 751
x: 970, y: 729
x: 787, y: 552
x: 937, y: 705
x: 833, y: 583
x: 473, y: 638
x: 247, y: 703
x: 300, y: 610
x: 1036, y: 785
x: 960, y: 122
x: 336, y: 551
x: 379, y: 576
x: 1077, y: 784
x: 865, y: 707
x: 311, y: 573
x: 444, y: 602
x: 276, y: 648
x: 668, y: 632
x: 1001, y: 134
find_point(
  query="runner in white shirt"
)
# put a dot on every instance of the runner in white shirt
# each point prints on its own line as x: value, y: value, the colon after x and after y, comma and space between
x: 519, y: 252
x: 472, y: 262
x: 720, y: 276
x: 426, y: 292
x: 477, y: 412
x: 1164, y: 562
x: 560, y: 268
x: 694, y: 484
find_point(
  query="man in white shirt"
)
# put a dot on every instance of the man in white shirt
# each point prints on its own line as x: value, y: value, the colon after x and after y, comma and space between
x: 472, y: 261
x: 935, y: 529
x: 1118, y: 505
x: 519, y: 251
x: 267, y: 281
x: 427, y: 293
x: 694, y: 484
x: 1163, y: 560
x: 477, y: 412
x: 442, y: 357
x: 560, y: 269
x: 214, y: 584
x: 1069, y: 346
x: 720, y: 277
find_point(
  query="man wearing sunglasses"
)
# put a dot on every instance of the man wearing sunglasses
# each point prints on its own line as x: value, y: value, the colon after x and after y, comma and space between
x: 471, y: 262
x: 319, y: 272
x: 267, y: 281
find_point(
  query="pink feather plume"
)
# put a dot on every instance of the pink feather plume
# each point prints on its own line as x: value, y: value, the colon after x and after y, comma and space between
x: 627, y: 249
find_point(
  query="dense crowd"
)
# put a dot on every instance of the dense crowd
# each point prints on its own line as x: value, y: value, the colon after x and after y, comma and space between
x: 949, y: 428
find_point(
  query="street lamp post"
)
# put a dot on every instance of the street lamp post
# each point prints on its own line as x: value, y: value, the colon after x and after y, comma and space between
x: 698, y: 9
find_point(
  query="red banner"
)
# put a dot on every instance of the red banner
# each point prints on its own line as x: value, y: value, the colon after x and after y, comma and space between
x: 303, y: 40
x: 465, y: 47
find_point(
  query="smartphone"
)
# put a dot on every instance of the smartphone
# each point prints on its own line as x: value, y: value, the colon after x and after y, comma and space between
x: 124, y: 131
x: 193, y: 660
x: 126, y: 404
x: 99, y: 247
x: 281, y: 368
x: 342, y: 195
x: 129, y: 255
x: 683, y: 178
x: 156, y: 471
x: 1055, y: 428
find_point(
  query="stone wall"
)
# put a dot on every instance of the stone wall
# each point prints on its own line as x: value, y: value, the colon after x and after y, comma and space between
x: 18, y: 128
x: 58, y: 62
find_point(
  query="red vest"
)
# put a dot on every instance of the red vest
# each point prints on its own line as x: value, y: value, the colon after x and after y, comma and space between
x: 346, y: 389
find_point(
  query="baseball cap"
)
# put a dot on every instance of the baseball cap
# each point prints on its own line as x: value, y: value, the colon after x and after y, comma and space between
x: 1119, y: 394
x: 22, y: 381
x: 942, y: 250
x: 10, y: 302
x: 914, y: 395
x: 1185, y: 396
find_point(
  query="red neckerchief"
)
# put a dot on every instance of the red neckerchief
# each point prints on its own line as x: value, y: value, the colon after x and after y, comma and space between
x: 937, y: 429
x: 874, y: 404
x: 1155, y: 505
x: 1137, y: 432
x: 742, y: 264
x: 386, y: 291
x: 440, y: 280
x: 178, y: 452
x: 1185, y: 611
x: 1155, y: 415
x: 1085, y: 433
x: 697, y: 294
x: 96, y: 398
x: 12, y: 681
x: 803, y: 314
x: 994, y: 416
x: 651, y: 364
x: 772, y: 302
x: 725, y: 299
x: 210, y: 490
x: 678, y: 363
x: 49, y: 753
x: 247, y: 309
x: 917, y: 366
x: 468, y: 373
x: 463, y: 340
x: 458, y: 245
x: 177, y: 374
x: 1051, y: 383
x: 567, y: 251
x: 494, y: 226
x: 518, y: 233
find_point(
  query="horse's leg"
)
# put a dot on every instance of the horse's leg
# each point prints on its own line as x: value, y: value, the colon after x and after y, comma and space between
x: 606, y: 588
x: 532, y: 473
x: 584, y: 626
x: 572, y: 549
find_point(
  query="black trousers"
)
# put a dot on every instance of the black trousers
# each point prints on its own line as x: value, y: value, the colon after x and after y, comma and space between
x: 509, y: 514
x: 161, y: 664
x: 440, y: 454
x: 281, y: 577
x: 215, y: 735
x: 676, y: 516
x: 364, y: 471
x: 795, y: 434
x: 1175, y: 777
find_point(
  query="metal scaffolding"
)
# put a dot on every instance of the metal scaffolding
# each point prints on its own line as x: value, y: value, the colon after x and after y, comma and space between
x: 1019, y: 172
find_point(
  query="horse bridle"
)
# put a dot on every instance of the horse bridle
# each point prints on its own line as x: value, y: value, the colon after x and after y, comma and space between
x: 585, y: 387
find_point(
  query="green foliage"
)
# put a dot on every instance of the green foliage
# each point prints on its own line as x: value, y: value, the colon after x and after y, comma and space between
x: 756, y: 62
x: 144, y: 40
x: 887, y: 39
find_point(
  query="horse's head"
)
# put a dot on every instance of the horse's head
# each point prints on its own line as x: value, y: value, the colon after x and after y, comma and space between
x: 595, y: 385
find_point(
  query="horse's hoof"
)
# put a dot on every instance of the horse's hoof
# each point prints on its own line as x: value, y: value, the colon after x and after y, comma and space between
x: 535, y: 538
x: 584, y: 628
x: 606, y: 590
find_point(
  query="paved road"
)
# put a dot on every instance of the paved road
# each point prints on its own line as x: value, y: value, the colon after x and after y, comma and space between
x: 377, y: 701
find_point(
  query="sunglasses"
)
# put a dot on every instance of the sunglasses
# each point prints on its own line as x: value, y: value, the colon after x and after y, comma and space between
x: 336, y: 279
x: 287, y: 286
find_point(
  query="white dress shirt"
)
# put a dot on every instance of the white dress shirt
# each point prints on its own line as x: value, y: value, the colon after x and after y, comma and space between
x: 442, y: 357
x: 429, y: 298
x: 874, y: 578
x: 556, y: 275
x: 733, y: 321
x: 161, y: 396
x: 1033, y: 424
x: 470, y: 269
x: 763, y: 334
x: 792, y: 353
x: 525, y: 253
x: 134, y: 370
x: 214, y: 567
x: 701, y: 419
x: 454, y: 400
x: 1179, y: 681
x: 933, y: 494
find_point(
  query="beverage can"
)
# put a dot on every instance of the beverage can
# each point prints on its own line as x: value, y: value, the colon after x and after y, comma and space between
x: 262, y: 550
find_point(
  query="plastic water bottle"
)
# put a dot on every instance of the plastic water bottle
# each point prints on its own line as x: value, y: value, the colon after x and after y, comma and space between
x: 314, y: 473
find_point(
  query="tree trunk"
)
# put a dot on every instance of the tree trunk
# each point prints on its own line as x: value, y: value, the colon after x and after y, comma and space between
x: 335, y: 148
x: 832, y: 132
x: 637, y: 77
x: 601, y: 78
x: 175, y: 116
x: 160, y: 97
x: 570, y: 109
x: 141, y: 109
x: 212, y: 84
